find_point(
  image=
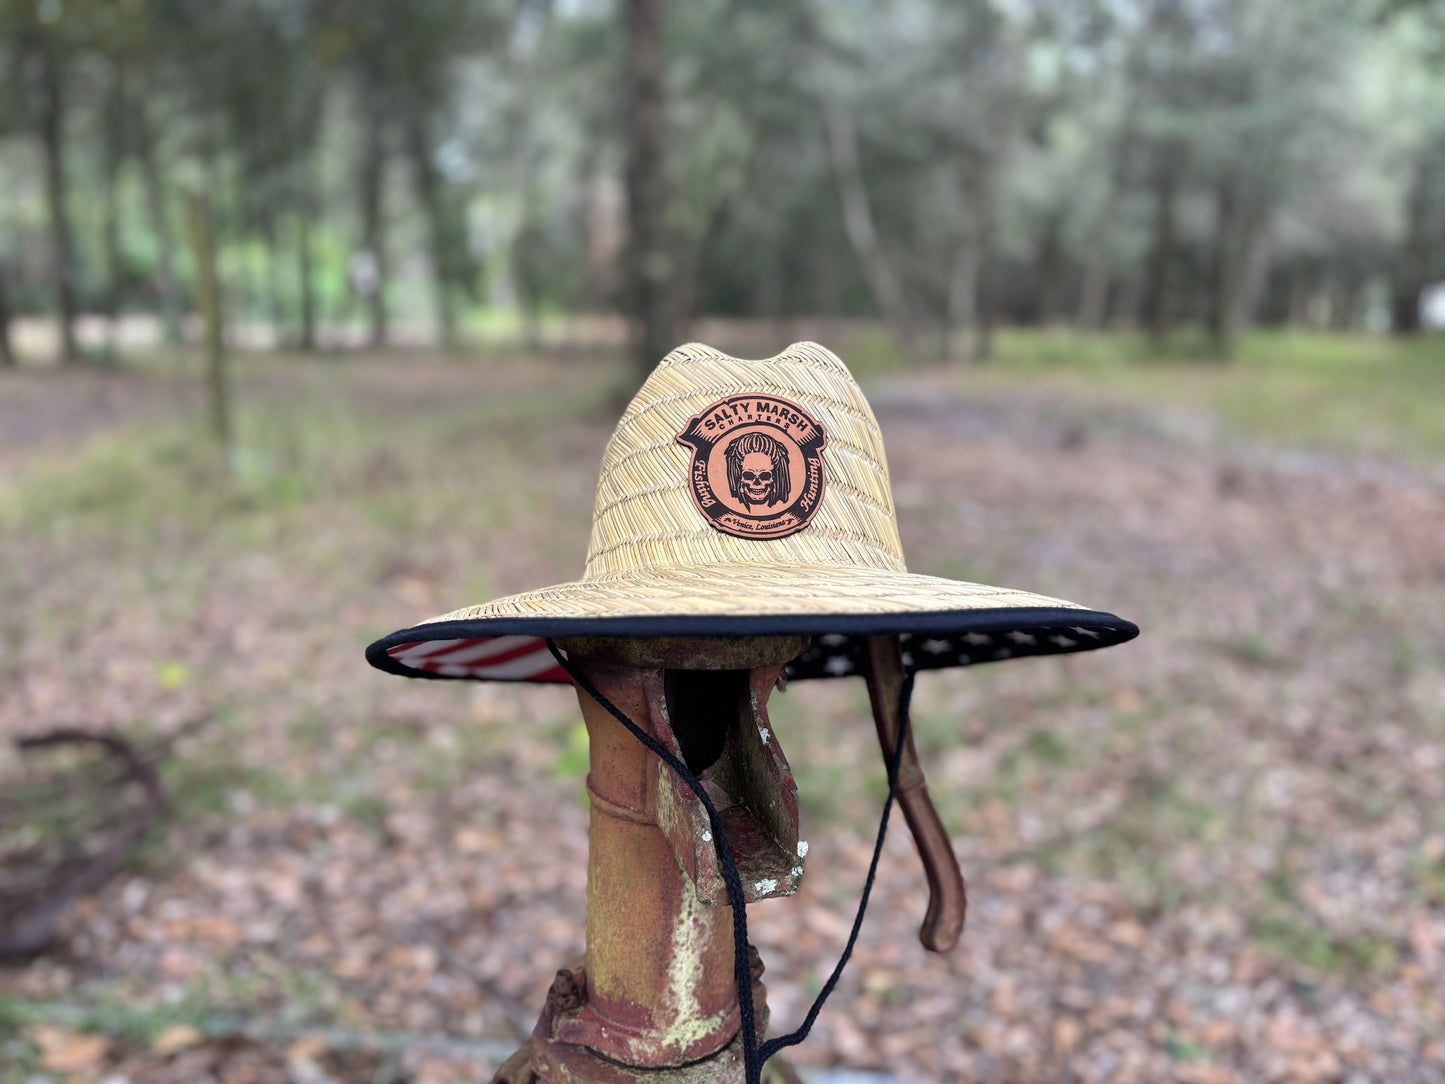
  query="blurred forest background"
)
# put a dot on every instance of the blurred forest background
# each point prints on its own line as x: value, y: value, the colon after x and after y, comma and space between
x: 452, y: 170
x: 1144, y: 294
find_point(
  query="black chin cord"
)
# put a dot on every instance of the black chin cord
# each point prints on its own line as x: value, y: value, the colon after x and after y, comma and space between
x: 754, y: 1056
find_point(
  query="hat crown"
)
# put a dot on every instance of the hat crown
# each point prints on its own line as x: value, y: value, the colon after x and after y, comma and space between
x: 647, y: 515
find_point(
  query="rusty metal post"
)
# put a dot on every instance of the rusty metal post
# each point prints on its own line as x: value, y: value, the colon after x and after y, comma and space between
x: 654, y: 999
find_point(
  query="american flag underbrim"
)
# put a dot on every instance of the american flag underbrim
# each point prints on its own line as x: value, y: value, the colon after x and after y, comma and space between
x: 930, y: 641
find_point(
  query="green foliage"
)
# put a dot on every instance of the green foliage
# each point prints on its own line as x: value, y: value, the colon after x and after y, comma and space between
x: 115, y: 1015
x: 573, y: 756
x: 216, y: 1005
x: 472, y: 153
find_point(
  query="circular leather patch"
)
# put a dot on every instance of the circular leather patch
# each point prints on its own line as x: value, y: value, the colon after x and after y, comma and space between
x: 757, y: 465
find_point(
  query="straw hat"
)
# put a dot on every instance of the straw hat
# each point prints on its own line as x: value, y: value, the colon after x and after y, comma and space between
x: 744, y: 498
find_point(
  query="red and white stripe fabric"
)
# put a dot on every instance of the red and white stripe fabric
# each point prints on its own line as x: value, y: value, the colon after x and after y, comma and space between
x: 486, y: 658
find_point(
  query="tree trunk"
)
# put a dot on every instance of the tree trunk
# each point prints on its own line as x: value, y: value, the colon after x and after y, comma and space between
x: 1297, y: 294
x: 651, y: 256
x: 306, y: 279
x: 208, y: 301
x: 428, y: 190
x: 602, y: 213
x: 962, y: 297
x: 155, y: 199
x: 1098, y: 260
x: 1351, y: 293
x: 1049, y: 273
x: 525, y: 256
x: 693, y: 253
x: 52, y: 143
x: 1223, y: 266
x: 275, y: 295
x: 7, y: 351
x: 862, y: 232
x: 114, y: 144
x: 1255, y: 257
x: 964, y: 333
x: 1125, y: 304
x: 1160, y: 265
x: 1415, y: 259
x: 1239, y: 261
x: 987, y: 295
x: 372, y: 169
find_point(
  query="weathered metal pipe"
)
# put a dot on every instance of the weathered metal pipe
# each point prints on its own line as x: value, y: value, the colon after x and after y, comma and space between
x: 655, y: 1000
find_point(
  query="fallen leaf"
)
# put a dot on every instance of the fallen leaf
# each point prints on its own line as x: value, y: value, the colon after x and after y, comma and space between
x: 177, y: 1037
x: 306, y: 1049
x: 66, y: 1051
x: 1067, y: 1032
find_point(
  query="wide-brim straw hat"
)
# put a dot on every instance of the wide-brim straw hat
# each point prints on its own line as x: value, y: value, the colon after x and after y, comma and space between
x: 746, y: 498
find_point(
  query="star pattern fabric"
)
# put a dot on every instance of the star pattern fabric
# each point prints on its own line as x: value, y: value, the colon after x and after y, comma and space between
x: 839, y: 655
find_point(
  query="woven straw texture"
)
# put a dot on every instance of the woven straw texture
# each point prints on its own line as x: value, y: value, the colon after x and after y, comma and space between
x: 653, y: 553
x: 645, y: 516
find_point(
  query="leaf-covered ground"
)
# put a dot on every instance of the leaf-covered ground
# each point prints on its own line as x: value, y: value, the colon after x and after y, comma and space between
x: 1214, y: 854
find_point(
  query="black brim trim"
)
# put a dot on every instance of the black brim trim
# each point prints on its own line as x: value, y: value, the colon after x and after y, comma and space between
x: 934, y: 639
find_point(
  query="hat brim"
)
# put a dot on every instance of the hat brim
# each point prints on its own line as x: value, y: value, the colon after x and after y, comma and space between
x: 943, y: 622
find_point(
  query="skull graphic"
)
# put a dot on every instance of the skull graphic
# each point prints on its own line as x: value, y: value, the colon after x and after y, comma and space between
x: 758, y: 470
x: 757, y: 477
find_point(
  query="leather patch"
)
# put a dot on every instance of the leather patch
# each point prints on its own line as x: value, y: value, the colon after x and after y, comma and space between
x: 757, y: 465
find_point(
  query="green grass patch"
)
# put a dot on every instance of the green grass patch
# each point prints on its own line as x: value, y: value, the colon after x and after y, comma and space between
x: 114, y: 1014
x: 305, y: 436
x: 1340, y: 392
x: 1350, y: 393
x: 285, y: 998
x: 197, y: 787
x: 1302, y: 940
